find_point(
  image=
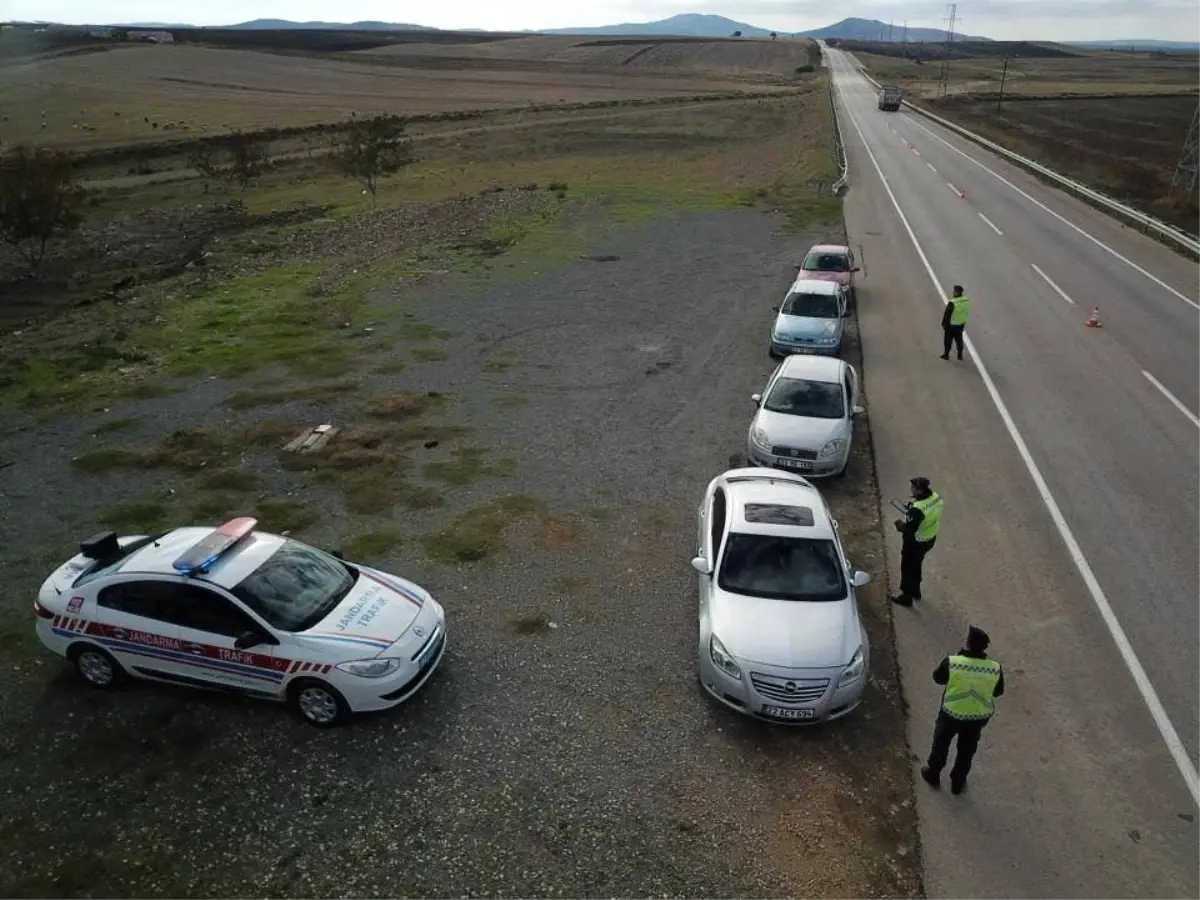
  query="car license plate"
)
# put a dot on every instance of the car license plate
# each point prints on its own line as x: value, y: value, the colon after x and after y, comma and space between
x: 778, y: 712
x: 797, y: 464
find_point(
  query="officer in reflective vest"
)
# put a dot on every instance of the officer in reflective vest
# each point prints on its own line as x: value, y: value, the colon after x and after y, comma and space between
x: 973, y: 682
x: 954, y: 321
x: 919, y: 531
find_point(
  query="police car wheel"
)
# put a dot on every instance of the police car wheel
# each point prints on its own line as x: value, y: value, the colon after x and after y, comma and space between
x: 96, y: 666
x: 319, y: 704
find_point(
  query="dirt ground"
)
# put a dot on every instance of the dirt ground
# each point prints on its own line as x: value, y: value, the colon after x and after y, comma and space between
x: 537, y: 381
x: 132, y: 94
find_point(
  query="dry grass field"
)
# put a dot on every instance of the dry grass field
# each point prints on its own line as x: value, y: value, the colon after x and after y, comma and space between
x: 139, y: 93
x: 740, y: 56
x: 1087, y: 73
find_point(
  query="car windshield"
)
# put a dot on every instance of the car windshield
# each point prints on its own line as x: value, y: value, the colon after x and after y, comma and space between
x: 826, y: 262
x: 296, y: 587
x: 778, y: 567
x: 812, y: 306
x: 814, y: 399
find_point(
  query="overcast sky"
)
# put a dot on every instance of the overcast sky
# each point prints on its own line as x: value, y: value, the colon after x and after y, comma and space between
x: 1001, y: 19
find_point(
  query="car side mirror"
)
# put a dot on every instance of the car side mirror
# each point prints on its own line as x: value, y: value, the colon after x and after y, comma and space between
x: 774, y: 309
x: 860, y: 579
x: 702, y: 565
x: 338, y: 554
x: 856, y: 269
x: 757, y: 398
x: 248, y: 639
x: 846, y: 313
x: 857, y: 411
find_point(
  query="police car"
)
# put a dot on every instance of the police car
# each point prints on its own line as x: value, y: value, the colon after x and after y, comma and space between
x: 236, y: 609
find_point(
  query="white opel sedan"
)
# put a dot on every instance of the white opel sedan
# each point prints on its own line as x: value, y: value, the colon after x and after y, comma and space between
x: 805, y: 418
x: 241, y: 610
x: 780, y: 634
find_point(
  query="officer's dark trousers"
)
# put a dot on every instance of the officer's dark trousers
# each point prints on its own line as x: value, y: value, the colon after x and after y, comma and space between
x: 912, y: 557
x: 944, y: 731
x: 952, y: 334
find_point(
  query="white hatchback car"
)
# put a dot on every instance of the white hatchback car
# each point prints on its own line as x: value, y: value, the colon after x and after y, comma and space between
x: 780, y: 635
x: 805, y: 418
x: 241, y: 610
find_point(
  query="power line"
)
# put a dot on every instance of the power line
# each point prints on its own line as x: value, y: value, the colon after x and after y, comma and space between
x: 1185, y: 171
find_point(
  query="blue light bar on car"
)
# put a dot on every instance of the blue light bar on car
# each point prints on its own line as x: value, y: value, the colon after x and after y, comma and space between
x: 204, y: 553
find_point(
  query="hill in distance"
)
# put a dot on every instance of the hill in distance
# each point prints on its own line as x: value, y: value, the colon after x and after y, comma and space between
x: 683, y: 25
x: 288, y: 25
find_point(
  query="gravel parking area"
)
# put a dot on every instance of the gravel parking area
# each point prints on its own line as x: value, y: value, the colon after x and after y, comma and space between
x: 564, y: 749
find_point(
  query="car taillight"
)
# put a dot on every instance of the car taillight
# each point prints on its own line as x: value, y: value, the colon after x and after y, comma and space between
x: 41, y: 612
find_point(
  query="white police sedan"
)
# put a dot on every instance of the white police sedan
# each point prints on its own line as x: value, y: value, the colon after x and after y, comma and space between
x: 241, y: 610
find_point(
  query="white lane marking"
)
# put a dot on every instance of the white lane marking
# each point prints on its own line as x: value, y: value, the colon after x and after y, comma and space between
x: 1178, y: 405
x: 953, y: 188
x: 989, y: 221
x: 1050, y: 282
x: 1064, y: 220
x: 931, y: 168
x: 1169, y: 735
x: 914, y: 150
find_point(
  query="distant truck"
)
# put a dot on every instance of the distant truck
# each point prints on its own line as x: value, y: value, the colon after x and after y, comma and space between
x: 889, y: 99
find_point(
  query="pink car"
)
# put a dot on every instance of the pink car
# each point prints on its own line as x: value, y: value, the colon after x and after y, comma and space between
x: 831, y: 262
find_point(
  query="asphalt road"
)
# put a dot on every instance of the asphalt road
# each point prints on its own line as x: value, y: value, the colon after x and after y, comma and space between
x: 1076, y: 791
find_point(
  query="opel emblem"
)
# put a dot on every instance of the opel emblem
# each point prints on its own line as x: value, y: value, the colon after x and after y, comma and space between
x: 790, y: 687
x: 419, y: 631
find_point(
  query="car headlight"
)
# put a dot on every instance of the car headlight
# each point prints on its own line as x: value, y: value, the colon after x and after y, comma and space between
x: 760, y: 438
x: 833, y: 448
x: 829, y: 340
x: 371, y: 668
x: 722, y: 660
x: 855, y: 670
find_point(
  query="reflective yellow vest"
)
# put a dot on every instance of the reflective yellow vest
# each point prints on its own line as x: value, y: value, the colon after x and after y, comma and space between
x: 970, y: 689
x: 961, y: 311
x: 931, y: 506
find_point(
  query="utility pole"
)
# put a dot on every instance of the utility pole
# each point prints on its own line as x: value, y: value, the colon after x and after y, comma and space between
x: 1003, y: 78
x: 1185, y: 172
x: 890, y: 23
x: 944, y: 74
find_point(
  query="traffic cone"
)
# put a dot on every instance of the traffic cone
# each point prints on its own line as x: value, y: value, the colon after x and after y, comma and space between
x: 1093, y: 321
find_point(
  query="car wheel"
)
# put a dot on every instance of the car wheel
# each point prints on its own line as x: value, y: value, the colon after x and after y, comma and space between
x: 738, y: 461
x: 319, y: 704
x: 95, y: 666
x: 841, y: 473
x: 771, y: 353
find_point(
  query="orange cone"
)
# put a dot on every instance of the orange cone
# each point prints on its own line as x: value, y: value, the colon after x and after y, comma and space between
x: 1093, y: 321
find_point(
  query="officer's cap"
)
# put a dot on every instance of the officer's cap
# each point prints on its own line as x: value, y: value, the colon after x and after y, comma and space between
x: 921, y: 483
x: 977, y: 638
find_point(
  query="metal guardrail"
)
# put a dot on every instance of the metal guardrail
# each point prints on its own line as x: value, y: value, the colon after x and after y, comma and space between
x: 1148, y: 223
x: 839, y: 144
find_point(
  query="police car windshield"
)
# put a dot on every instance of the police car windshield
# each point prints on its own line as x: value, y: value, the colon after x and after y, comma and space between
x: 812, y: 306
x: 296, y: 587
x: 778, y: 567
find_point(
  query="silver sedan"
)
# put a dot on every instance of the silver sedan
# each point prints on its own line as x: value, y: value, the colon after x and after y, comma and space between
x: 780, y: 636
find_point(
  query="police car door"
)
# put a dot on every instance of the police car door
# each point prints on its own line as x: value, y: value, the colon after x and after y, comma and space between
x: 209, y: 625
x: 133, y: 622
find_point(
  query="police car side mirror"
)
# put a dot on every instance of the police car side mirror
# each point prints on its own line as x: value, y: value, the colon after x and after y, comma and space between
x: 248, y: 639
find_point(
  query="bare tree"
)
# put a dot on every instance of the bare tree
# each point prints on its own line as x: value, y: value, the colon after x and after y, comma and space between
x: 39, y: 200
x: 238, y: 159
x: 370, y: 148
x: 773, y: 35
x: 737, y: 34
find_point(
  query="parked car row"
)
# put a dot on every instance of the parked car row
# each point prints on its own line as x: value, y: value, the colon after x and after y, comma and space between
x: 780, y: 637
